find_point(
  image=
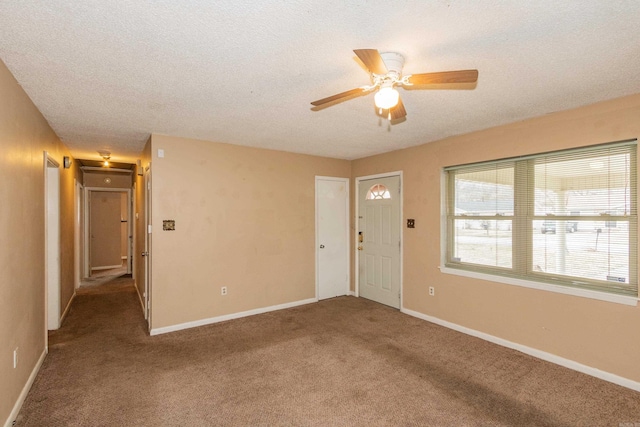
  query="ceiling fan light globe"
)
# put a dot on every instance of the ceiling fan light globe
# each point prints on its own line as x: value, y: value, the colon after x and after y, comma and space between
x: 387, y: 97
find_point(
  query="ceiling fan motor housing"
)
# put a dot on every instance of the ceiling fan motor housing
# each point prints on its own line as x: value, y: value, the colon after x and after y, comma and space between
x: 394, y: 62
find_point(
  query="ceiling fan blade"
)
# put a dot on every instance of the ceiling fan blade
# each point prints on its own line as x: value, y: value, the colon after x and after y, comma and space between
x: 398, y: 112
x: 443, y: 77
x: 372, y: 59
x: 338, y: 96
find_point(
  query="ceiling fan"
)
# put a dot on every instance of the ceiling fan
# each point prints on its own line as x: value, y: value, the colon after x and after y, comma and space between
x: 386, y: 73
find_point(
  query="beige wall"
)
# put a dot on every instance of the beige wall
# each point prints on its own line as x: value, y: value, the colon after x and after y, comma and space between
x: 598, y: 334
x: 24, y: 136
x: 245, y: 219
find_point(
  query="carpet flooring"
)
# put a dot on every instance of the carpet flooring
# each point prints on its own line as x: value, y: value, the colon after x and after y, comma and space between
x: 341, y: 362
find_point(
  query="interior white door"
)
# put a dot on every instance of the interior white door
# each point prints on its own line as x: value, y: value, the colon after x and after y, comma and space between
x: 332, y: 231
x: 379, y: 240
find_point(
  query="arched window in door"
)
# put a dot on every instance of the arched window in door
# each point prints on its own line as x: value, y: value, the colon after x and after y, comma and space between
x: 378, y: 192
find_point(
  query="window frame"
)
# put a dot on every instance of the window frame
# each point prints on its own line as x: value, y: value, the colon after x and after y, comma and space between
x: 523, y: 229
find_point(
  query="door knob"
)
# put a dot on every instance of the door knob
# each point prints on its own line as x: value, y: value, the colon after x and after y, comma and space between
x: 321, y: 246
x: 144, y: 253
x: 359, y: 248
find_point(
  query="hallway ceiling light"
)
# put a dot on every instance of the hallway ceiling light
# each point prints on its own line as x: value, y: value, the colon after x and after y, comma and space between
x: 106, y: 156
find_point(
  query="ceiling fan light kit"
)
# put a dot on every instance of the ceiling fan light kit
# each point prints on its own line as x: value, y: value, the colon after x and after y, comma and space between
x: 386, y: 72
x: 387, y: 97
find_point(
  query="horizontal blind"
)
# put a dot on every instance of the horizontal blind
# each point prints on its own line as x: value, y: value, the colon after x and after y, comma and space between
x: 581, y: 216
x: 567, y: 218
x: 481, y: 210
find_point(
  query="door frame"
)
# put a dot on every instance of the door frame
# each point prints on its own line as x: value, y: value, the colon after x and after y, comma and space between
x: 347, y: 232
x: 87, y: 225
x: 147, y: 266
x: 78, y: 233
x: 356, y: 252
x: 132, y: 230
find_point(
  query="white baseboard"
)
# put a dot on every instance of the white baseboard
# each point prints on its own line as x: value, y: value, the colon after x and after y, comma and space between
x: 225, y: 317
x: 25, y: 390
x: 66, y: 310
x: 351, y: 293
x: 567, y: 363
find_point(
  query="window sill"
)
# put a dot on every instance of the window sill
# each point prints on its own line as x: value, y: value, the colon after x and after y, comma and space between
x: 584, y: 293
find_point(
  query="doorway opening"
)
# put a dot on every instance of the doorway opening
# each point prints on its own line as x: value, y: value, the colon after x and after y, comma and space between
x: 108, y: 232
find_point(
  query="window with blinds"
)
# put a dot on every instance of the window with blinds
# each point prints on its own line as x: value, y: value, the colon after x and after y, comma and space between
x: 567, y: 218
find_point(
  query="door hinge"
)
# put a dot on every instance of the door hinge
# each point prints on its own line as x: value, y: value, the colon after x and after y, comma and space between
x: 148, y: 186
x: 149, y: 230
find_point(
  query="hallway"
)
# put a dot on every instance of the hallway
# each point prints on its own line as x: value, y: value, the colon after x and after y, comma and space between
x: 102, y: 320
x: 101, y: 277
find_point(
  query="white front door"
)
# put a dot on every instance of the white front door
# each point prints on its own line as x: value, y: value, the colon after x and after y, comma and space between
x: 332, y: 231
x: 379, y: 240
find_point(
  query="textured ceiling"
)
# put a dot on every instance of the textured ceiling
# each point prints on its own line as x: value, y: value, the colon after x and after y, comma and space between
x: 108, y: 73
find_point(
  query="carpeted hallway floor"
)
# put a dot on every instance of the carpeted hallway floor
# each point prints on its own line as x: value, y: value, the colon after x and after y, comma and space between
x: 341, y: 362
